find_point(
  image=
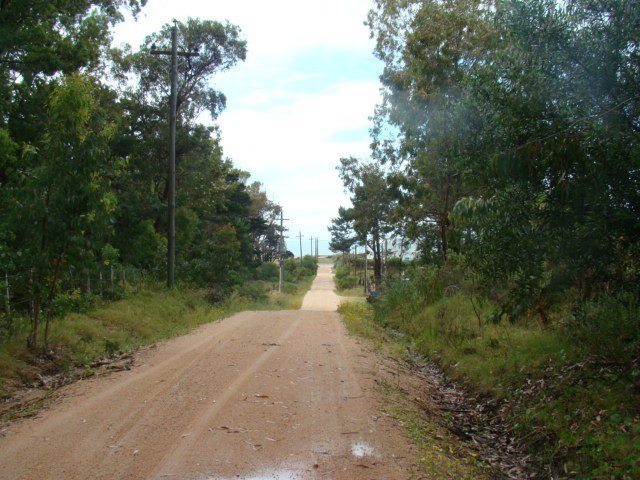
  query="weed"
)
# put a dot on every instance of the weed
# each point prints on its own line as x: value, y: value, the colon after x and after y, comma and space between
x: 571, y: 387
x: 144, y: 317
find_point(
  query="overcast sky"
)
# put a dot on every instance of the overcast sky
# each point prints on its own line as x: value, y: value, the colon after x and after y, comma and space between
x: 300, y: 101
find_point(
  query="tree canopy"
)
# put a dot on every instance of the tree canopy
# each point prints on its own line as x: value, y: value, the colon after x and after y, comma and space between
x: 512, y: 130
x: 84, y: 149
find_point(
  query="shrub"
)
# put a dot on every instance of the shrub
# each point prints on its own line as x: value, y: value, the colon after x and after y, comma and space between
x: 609, y: 327
x: 254, y: 291
x: 268, y: 271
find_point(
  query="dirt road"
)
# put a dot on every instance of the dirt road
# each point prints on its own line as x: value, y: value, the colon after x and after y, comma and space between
x: 260, y: 395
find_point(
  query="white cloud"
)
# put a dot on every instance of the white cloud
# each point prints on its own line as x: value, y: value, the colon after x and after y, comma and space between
x: 274, y: 28
x: 301, y: 100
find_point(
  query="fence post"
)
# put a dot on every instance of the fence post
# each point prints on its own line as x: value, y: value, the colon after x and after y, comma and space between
x: 100, y: 283
x: 7, y: 298
x: 31, y: 304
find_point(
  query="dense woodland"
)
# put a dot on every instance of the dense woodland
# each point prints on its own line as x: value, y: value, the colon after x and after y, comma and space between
x: 508, y: 134
x: 84, y: 154
x: 507, y: 149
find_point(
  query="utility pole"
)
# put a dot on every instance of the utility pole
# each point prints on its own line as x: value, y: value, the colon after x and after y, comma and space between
x: 281, y: 251
x: 300, y: 238
x: 173, y: 114
x: 366, y: 268
x: 311, y: 248
x: 386, y: 253
x: 355, y: 260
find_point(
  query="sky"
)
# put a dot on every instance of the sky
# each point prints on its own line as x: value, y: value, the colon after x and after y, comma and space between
x: 302, y: 99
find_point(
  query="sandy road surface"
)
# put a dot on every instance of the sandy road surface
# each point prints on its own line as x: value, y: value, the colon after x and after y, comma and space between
x: 260, y: 395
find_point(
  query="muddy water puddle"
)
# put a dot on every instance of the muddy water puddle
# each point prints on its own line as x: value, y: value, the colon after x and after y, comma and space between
x: 276, y: 475
x: 362, y: 449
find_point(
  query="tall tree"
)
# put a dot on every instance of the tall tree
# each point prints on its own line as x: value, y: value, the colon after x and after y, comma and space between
x: 372, y: 205
x: 530, y: 107
x: 429, y: 49
x: 341, y: 230
x: 66, y: 191
x: 201, y: 173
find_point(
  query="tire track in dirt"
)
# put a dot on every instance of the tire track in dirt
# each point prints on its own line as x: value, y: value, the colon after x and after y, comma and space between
x: 202, y: 420
x: 258, y: 395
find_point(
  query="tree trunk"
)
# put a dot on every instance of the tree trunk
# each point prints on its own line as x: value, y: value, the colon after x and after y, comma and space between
x: 32, y: 339
x: 377, y: 260
x: 52, y: 292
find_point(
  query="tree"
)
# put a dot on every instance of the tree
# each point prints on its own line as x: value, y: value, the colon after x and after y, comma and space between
x: 372, y: 205
x: 203, y: 178
x: 342, y: 234
x: 55, y: 127
x: 265, y: 223
x: 525, y: 114
x: 422, y: 127
x: 62, y: 206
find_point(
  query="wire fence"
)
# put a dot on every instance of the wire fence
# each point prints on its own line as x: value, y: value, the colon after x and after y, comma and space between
x: 18, y: 289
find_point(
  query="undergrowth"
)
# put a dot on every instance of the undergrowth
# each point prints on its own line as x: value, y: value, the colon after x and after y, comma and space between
x: 570, y: 387
x: 145, y: 316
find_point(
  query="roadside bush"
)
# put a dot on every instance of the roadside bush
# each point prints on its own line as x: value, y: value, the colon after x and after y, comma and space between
x: 218, y: 293
x: 343, y: 280
x: 254, y: 291
x: 299, y: 270
x: 73, y: 301
x: 268, y: 271
x: 609, y: 327
x: 309, y: 265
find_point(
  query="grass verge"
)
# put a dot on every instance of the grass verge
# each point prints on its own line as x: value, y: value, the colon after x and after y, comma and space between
x: 146, y: 316
x: 570, y: 393
x: 442, y: 455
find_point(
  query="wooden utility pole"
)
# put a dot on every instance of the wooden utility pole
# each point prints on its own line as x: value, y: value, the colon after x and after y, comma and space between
x: 281, y: 251
x: 366, y: 267
x: 300, y: 238
x: 173, y: 114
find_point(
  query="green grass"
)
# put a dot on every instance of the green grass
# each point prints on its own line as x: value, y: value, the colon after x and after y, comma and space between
x: 144, y: 317
x: 358, y: 318
x: 441, y: 455
x: 573, y: 398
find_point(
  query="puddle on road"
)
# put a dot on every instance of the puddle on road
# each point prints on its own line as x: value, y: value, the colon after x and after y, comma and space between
x: 278, y: 475
x: 362, y: 449
x: 358, y: 450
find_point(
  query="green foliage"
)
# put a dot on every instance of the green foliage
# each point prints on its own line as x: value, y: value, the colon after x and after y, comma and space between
x: 609, y: 328
x: 73, y: 301
x: 253, y: 291
x: 148, y: 248
x: 358, y: 318
x: 343, y: 279
x: 297, y: 270
x: 268, y: 272
x: 515, y: 141
x: 571, y: 390
x: 83, y: 165
x: 372, y: 205
x: 341, y: 230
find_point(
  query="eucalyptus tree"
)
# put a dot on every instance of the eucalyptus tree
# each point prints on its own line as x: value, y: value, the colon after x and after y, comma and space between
x: 201, y: 170
x: 55, y: 128
x: 423, y: 126
x: 531, y: 108
x: 372, y: 205
x: 264, y: 216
